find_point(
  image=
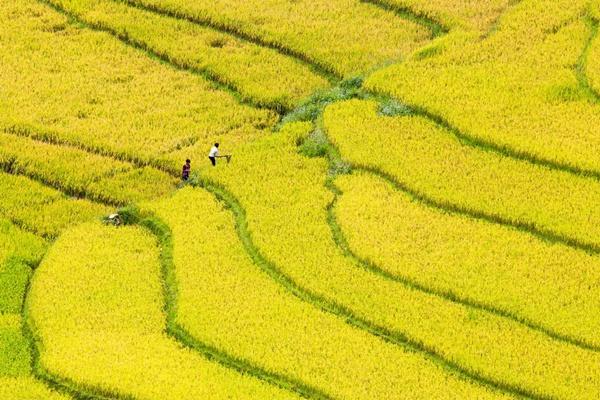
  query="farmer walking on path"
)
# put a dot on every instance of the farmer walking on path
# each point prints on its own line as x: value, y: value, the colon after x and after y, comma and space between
x: 185, y: 174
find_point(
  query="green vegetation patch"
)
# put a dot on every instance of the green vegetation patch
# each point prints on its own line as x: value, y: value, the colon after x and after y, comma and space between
x: 14, y: 275
x: 14, y: 349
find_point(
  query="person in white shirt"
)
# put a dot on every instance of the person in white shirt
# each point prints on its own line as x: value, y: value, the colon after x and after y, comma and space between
x: 213, y: 154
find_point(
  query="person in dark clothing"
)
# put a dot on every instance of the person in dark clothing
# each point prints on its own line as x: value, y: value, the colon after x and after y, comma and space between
x: 185, y: 174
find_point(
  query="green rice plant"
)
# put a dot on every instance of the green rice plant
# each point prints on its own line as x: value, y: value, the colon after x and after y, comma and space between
x: 16, y: 380
x: 15, y: 359
x: 14, y: 275
x: 593, y: 56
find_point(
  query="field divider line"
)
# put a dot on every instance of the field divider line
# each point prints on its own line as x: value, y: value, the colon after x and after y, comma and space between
x: 346, y: 314
x: 545, y: 235
x: 53, y: 138
x: 67, y: 191
x: 525, y: 227
x: 325, y: 71
x: 507, y: 150
x: 496, y: 24
x: 341, y: 311
x: 217, y: 81
x: 164, y: 235
x: 369, y: 265
x: 285, y: 281
x: 490, y: 146
x: 21, y: 225
x: 582, y: 63
x: 56, y: 382
x: 437, y: 28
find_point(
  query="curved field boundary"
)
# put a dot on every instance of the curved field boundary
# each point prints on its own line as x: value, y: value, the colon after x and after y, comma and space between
x: 343, y: 312
x: 448, y: 207
x: 215, y: 79
x: 489, y: 146
x: 371, y: 266
x: 76, y: 390
x: 164, y: 236
x: 106, y: 201
x: 48, y: 380
x: 436, y: 27
x: 505, y: 151
x: 315, y: 66
x: 51, y: 137
x: 582, y: 63
x: 80, y: 391
x: 318, y: 67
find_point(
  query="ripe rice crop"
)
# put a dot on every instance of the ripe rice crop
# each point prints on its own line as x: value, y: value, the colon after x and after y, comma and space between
x: 474, y: 259
x: 61, y: 165
x: 324, y: 32
x: 429, y: 230
x: 432, y: 162
x: 457, y: 14
x: 96, y: 91
x: 42, y: 209
x: 77, y: 171
x: 285, y: 203
x: 26, y: 388
x: 261, y: 75
x: 230, y: 304
x: 96, y: 308
x: 515, y: 90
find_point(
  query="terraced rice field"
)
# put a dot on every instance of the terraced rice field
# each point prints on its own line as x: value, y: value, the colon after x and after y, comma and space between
x: 411, y: 210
